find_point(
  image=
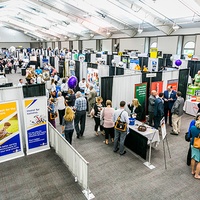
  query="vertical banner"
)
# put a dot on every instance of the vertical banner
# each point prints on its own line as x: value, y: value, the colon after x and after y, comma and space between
x: 158, y: 86
x: 141, y: 94
x: 173, y: 83
x: 10, y: 132
x: 35, y: 113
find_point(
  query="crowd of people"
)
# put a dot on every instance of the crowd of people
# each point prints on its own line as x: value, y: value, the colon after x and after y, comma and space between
x: 72, y: 108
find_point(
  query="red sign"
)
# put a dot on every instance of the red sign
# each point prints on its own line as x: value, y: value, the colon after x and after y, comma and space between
x: 158, y: 86
x: 173, y: 83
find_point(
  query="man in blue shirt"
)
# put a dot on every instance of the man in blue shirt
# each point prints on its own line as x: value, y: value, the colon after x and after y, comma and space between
x: 80, y: 116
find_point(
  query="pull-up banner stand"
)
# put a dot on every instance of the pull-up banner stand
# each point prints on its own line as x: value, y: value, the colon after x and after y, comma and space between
x: 35, y: 112
x: 10, y: 131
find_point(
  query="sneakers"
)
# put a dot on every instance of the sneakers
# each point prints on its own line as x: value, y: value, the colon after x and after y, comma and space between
x: 123, y: 153
x: 173, y: 133
x: 116, y: 150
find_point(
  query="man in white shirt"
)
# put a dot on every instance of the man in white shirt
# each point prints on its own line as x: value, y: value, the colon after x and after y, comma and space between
x: 20, y: 82
x: 82, y: 85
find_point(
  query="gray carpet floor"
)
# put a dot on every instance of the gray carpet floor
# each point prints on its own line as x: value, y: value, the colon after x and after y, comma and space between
x: 112, y: 177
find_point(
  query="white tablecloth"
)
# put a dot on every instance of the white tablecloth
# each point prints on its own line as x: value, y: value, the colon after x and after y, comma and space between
x: 191, y: 107
x: 151, y: 133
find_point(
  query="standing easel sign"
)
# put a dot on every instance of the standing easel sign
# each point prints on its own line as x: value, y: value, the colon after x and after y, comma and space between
x: 164, y: 138
x: 163, y: 128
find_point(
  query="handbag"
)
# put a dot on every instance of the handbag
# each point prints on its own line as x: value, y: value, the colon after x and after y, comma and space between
x: 53, y: 115
x: 102, y: 118
x: 187, y: 138
x: 196, y: 143
x: 119, y: 125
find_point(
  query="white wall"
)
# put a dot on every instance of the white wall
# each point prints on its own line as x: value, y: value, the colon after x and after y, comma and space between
x: 107, y: 45
x: 15, y: 44
x: 168, y: 45
x: 75, y: 45
x: 197, y: 45
x: 9, y: 35
x: 49, y: 44
x: 89, y: 44
x: 132, y: 44
x: 189, y: 38
x: 65, y: 45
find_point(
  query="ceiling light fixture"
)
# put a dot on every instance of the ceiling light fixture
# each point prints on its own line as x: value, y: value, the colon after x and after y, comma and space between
x: 175, y: 27
x: 108, y: 33
x: 91, y: 35
x: 140, y: 30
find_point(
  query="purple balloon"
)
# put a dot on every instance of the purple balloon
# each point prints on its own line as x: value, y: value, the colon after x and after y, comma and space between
x: 72, y: 82
x: 178, y: 62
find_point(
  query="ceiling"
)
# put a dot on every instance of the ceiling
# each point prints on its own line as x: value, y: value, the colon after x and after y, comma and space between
x: 55, y: 20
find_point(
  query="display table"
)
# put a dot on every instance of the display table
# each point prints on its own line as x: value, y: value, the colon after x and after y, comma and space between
x: 138, y: 141
x: 191, y: 107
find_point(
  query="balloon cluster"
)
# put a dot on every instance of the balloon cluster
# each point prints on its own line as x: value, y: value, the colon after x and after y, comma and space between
x: 72, y: 82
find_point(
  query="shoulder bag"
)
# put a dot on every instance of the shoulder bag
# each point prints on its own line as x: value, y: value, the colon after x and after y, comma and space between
x: 119, y: 125
x: 196, y: 143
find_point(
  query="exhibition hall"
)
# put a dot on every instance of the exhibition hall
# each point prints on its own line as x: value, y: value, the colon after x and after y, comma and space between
x: 99, y: 99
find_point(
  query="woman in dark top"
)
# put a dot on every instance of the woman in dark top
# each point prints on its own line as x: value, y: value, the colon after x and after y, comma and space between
x: 97, y: 112
x: 195, y: 158
x: 136, y: 109
x: 70, y: 98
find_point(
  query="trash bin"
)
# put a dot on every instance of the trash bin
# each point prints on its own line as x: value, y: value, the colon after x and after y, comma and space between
x: 132, y: 121
x: 6, y: 70
x: 23, y: 70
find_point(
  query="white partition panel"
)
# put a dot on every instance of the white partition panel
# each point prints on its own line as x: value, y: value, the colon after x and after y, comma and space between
x: 169, y: 75
x: 78, y: 166
x: 124, y: 88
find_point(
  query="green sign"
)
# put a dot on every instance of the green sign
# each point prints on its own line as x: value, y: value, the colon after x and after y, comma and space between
x: 140, y: 94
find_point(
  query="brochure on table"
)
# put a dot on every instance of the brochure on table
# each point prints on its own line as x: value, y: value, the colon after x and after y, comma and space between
x: 10, y: 131
x: 35, y: 112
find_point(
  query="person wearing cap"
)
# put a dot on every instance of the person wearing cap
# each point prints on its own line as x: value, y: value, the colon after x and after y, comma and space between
x: 169, y: 99
x: 80, y: 107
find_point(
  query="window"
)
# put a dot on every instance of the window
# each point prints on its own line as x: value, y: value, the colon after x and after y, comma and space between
x: 189, y: 48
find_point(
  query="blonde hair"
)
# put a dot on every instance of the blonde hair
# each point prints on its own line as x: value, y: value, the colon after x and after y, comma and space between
x: 197, y: 124
x: 109, y: 102
x: 135, y: 102
x: 99, y: 99
x: 69, y: 114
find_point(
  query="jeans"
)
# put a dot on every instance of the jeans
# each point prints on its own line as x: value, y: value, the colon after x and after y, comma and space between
x: 80, y: 117
x: 151, y: 117
x: 68, y: 135
x: 157, y: 121
x: 166, y: 110
x: 122, y: 136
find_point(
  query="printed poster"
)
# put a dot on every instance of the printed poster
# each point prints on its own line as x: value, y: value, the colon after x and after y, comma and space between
x: 158, y: 86
x: 36, y: 125
x: 10, y: 132
x: 173, y: 83
x: 140, y: 94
